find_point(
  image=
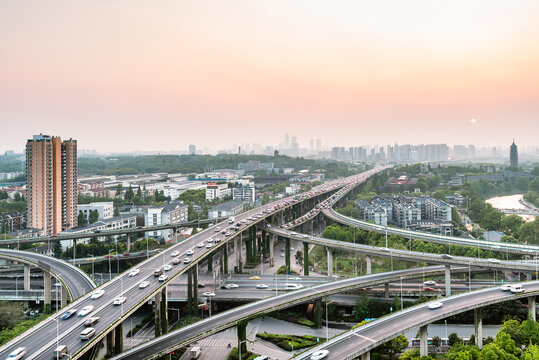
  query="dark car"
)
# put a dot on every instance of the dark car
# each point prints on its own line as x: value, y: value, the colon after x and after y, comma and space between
x: 91, y: 321
x: 68, y: 314
x: 201, y: 285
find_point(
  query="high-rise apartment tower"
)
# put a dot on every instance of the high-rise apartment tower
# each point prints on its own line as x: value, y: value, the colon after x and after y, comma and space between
x: 51, y: 170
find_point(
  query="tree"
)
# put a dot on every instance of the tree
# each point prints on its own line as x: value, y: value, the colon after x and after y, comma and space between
x: 81, y: 219
x: 454, y: 339
x: 395, y: 346
x: 532, y: 353
x: 18, y: 197
x: 299, y: 257
x: 116, y: 211
x: 129, y: 194
x: 361, y: 309
x: 10, y: 314
x: 510, y: 224
x: 57, y: 249
x: 522, y: 184
x: 492, y: 220
x: 436, y: 341
x: 93, y: 217
x: 3, y: 195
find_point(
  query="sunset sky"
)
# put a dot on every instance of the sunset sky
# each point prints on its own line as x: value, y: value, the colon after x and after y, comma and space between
x: 126, y: 75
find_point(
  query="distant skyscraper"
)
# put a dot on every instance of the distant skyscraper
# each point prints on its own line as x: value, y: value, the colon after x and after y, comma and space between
x: 51, y: 169
x: 192, y: 149
x: 513, y: 156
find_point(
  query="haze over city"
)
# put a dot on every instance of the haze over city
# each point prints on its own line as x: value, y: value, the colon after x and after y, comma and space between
x: 148, y: 76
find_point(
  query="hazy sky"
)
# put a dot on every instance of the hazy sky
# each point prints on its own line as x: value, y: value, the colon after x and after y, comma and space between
x: 158, y: 75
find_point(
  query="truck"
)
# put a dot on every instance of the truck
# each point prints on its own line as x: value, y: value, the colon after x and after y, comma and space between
x: 195, y: 352
x: 231, y: 220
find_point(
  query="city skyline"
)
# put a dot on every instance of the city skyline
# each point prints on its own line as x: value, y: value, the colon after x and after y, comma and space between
x: 386, y: 72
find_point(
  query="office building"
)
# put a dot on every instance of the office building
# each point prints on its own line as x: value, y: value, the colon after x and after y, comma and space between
x: 513, y: 156
x: 51, y: 169
x: 192, y: 149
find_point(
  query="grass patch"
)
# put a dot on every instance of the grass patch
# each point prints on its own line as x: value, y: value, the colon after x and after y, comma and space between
x: 289, y: 342
x: 292, y: 316
x: 234, y: 355
x: 282, y: 271
x: 8, y: 334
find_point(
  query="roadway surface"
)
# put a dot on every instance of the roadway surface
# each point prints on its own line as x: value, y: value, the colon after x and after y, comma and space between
x: 362, y: 339
x: 184, y: 336
x: 74, y: 279
x: 41, y: 340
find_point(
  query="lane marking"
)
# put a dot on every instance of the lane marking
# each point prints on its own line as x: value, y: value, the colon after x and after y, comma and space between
x: 365, y: 338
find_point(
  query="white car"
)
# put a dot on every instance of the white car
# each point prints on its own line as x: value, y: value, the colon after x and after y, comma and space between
x: 306, y: 236
x: 200, y: 245
x: 86, y: 310
x: 143, y: 284
x: 209, y: 245
x: 167, y: 267
x: 232, y: 286
x: 435, y: 305
x: 295, y: 278
x: 163, y: 277
x: 430, y: 282
x: 176, y: 261
x: 119, y: 300
x: 175, y: 253
x: 17, y: 354
x: 262, y: 286
x: 186, y: 260
x: 189, y: 252
x: 208, y: 294
x: 515, y: 289
x: 293, y: 286
x: 505, y: 287
x: 134, y: 272
x: 97, y: 294
x: 494, y: 261
x: 320, y: 354
x: 293, y: 233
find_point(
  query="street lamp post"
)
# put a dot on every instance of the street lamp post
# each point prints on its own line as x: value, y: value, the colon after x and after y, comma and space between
x: 57, y: 336
x: 402, y: 303
x: 470, y: 276
x: 93, y: 278
x: 327, y: 323
x: 110, y: 271
x: 239, y: 348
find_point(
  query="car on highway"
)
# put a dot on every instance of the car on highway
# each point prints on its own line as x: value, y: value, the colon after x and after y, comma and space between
x: 134, y: 272
x: 294, y: 278
x: 17, y: 354
x: 217, y: 229
x: 447, y: 256
x: 515, y: 289
x: 143, y: 284
x: 231, y: 286
x: 254, y: 278
x: 97, y: 294
x: 200, y: 245
x: 494, y: 261
x: 430, y: 282
x: 429, y: 289
x: 60, y: 351
x: 384, y: 249
x: 87, y: 333
x: 435, y: 305
x: 282, y: 254
x: 292, y: 286
x: 319, y: 355
x: 262, y: 286
x: 209, y: 245
x: 163, y: 277
x: 505, y: 287
x: 167, y: 267
x: 189, y: 252
x: 158, y: 272
x: 175, y: 253
x: 85, y: 310
x: 208, y: 294
x: 69, y: 313
x: 187, y: 260
x: 306, y: 236
x: 175, y: 261
x: 91, y: 321
x: 119, y: 300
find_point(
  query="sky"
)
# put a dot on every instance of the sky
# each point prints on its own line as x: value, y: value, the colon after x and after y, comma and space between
x: 129, y: 75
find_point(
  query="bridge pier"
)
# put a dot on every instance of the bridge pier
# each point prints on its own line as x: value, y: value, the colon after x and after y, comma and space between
x: 26, y: 277
x: 287, y: 255
x: 305, y: 259
x: 531, y: 308
x: 366, y: 356
x: 528, y: 276
x: 224, y: 250
x: 317, y: 314
x: 47, y: 290
x: 423, y: 341
x: 63, y: 301
x: 330, y: 262
x: 447, y: 280
x: 478, y: 326
x: 368, y: 264
x: 386, y: 290
x: 271, y: 246
x: 74, y: 249
x: 163, y: 311
x: 241, y: 329
x: 118, y: 339
x: 210, y: 262
x: 110, y: 344
x: 195, y: 290
x: 157, y: 313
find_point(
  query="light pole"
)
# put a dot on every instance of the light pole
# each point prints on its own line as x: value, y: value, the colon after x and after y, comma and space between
x: 402, y: 303
x: 57, y: 336
x: 289, y: 343
x: 445, y: 329
x: 327, y: 323
x: 93, y: 278
x: 17, y: 285
x: 110, y: 272
x: 470, y: 276
x: 239, y: 348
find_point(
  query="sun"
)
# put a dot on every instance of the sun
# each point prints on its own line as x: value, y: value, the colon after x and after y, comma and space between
x: 473, y: 121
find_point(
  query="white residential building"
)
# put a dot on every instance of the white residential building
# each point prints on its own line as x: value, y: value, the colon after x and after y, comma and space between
x: 171, y: 213
x: 227, y: 209
x: 246, y: 194
x: 104, y: 209
x: 217, y: 191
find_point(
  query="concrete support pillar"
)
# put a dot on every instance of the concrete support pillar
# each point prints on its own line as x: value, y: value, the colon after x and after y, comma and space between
x: 423, y: 341
x: 164, y: 311
x: 118, y: 339
x: 478, y: 326
x: 210, y: 262
x: 366, y: 356
x: 531, y: 308
x: 240, y: 249
x: 271, y: 246
x: 74, y: 249
x: 317, y: 314
x: 386, y: 290
x: 330, y: 262
x: 305, y: 259
x: 157, y: 313
x: 225, y: 258
x: 128, y: 243
x: 47, y: 290
x: 195, y: 289
x: 63, y: 301
x: 190, y: 291
x: 242, y: 337
x: 287, y: 255
x: 368, y: 264
x: 110, y: 344
x: 26, y: 277
x: 528, y: 276
x: 447, y: 280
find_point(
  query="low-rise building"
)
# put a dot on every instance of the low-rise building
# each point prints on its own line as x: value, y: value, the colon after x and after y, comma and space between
x: 456, y: 199
x: 246, y: 194
x: 11, y: 222
x: 172, y: 213
x: 217, y: 191
x: 227, y: 209
x: 104, y: 209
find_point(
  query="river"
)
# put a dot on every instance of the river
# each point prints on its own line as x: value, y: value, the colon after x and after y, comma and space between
x: 510, y: 202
